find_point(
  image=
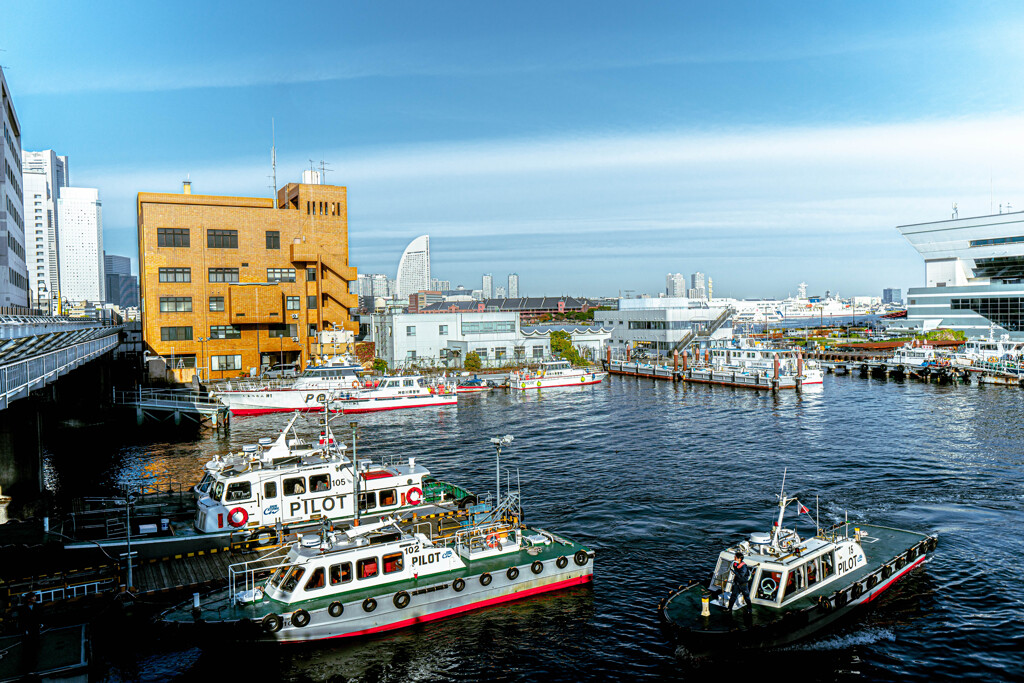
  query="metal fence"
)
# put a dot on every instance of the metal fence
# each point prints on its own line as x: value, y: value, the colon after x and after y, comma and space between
x: 17, y: 379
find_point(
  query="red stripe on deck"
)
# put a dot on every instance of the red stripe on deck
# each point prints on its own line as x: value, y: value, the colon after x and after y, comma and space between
x: 378, y: 474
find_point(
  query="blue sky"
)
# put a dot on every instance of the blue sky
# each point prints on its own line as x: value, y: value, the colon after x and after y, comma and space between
x: 592, y: 147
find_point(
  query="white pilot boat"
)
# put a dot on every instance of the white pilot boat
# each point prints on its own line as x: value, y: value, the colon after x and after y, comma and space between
x: 798, y: 586
x: 396, y: 393
x: 979, y: 355
x: 307, y: 393
x: 742, y: 361
x: 914, y: 358
x: 387, y: 575
x: 557, y: 373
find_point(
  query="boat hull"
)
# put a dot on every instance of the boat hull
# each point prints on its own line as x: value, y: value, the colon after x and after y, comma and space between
x: 554, y: 382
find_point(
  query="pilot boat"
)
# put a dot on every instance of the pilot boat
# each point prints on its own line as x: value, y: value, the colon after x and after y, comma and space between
x: 557, y: 373
x: 307, y: 393
x: 387, y: 575
x: 752, y: 364
x: 798, y: 586
x: 396, y: 393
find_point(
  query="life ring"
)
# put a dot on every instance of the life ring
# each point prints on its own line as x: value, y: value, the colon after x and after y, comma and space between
x: 537, y: 567
x: 272, y: 623
x: 993, y: 359
x: 580, y: 557
x: 401, y: 599
x: 493, y: 542
x: 355, y: 384
x: 300, y: 618
x: 369, y: 604
x: 562, y: 562
x: 458, y: 585
x: 238, y: 517
x: 512, y: 573
x: 418, y: 492
x: 485, y: 579
x: 335, y: 609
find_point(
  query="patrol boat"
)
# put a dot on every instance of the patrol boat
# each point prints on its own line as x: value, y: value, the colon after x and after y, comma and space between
x: 556, y: 373
x: 798, y: 587
x: 307, y: 393
x: 388, y: 575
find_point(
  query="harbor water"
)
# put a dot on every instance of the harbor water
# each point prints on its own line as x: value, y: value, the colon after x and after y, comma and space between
x: 658, y: 478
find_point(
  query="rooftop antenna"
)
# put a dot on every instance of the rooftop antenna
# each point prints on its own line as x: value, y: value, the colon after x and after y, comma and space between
x: 324, y: 168
x: 273, y: 159
x: 956, y: 213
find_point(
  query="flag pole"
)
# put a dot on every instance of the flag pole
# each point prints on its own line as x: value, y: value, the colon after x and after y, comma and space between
x: 817, y: 524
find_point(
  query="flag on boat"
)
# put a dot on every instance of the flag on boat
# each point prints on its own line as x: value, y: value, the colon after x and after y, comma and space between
x: 803, y: 509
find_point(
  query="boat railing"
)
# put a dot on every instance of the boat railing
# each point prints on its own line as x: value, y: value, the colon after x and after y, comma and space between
x: 254, y: 384
x: 242, y: 576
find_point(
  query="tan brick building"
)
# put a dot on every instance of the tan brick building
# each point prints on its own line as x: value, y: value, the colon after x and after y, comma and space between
x: 229, y: 284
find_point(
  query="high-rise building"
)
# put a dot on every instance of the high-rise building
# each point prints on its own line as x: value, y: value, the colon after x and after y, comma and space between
x: 675, y: 285
x: 116, y: 265
x: 499, y: 293
x: 513, y: 285
x: 891, y: 295
x: 14, y: 281
x: 440, y: 285
x: 120, y: 286
x: 414, y: 268
x: 488, y: 286
x: 379, y: 285
x: 45, y: 174
x: 80, y: 217
x: 697, y: 287
x: 233, y: 284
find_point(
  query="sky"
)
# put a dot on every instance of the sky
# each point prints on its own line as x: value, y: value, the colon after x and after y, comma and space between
x: 592, y: 147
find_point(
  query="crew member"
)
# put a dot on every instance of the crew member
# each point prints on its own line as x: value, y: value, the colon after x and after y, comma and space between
x: 740, y: 582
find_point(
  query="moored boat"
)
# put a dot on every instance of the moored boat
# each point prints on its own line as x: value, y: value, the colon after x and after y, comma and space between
x: 797, y: 587
x: 307, y: 393
x: 396, y: 393
x: 557, y: 373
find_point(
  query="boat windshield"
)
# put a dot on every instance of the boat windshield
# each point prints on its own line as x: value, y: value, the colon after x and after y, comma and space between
x: 204, y: 484
x: 294, y: 576
x: 218, y: 490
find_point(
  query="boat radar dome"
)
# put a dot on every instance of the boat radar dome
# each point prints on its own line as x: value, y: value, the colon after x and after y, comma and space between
x: 266, y: 441
x: 251, y: 448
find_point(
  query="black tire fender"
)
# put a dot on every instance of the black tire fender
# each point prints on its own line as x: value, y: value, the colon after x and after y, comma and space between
x: 369, y: 604
x: 580, y: 558
x: 562, y: 562
x: 458, y: 585
x: 537, y: 567
x: 272, y: 623
x: 300, y: 618
x: 512, y: 573
x: 335, y: 609
x: 401, y: 599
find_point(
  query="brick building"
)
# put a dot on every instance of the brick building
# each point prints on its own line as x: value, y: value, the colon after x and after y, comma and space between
x: 232, y: 284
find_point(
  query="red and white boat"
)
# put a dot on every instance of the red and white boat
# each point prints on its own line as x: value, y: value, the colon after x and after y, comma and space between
x: 307, y: 393
x: 472, y: 385
x: 556, y: 373
x: 395, y: 393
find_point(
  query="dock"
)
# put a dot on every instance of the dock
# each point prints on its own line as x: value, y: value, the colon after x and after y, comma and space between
x: 173, y: 404
x: 685, y: 369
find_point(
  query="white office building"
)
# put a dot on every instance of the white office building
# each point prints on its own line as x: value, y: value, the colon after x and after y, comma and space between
x: 487, y: 286
x: 14, y: 280
x: 80, y: 216
x: 513, y: 285
x: 45, y: 174
x: 698, y: 290
x: 658, y: 326
x: 675, y: 285
x: 414, y: 268
x: 974, y: 275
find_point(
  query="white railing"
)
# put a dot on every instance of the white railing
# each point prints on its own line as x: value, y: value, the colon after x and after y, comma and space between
x: 17, y: 379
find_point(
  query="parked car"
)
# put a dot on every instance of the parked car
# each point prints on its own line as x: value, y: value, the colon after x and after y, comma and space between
x: 281, y: 372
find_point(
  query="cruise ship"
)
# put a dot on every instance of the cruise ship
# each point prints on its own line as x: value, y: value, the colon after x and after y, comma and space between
x: 974, y: 275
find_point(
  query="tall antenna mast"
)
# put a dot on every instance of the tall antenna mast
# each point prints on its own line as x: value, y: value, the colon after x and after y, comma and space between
x: 273, y: 159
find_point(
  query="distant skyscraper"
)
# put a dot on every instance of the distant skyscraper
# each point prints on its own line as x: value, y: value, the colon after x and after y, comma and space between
x: 513, y: 285
x: 45, y: 174
x: 488, y: 286
x: 378, y: 285
x: 81, y: 244
x: 440, y: 285
x: 120, y: 286
x: 14, y: 280
x: 892, y: 296
x: 675, y: 285
x: 414, y: 268
x: 116, y: 265
x: 499, y: 293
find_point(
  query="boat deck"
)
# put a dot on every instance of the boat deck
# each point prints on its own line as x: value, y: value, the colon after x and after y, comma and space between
x: 882, y: 545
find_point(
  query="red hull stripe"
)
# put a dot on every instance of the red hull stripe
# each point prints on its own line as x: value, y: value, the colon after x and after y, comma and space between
x: 586, y: 578
x: 263, y: 411
x: 892, y: 579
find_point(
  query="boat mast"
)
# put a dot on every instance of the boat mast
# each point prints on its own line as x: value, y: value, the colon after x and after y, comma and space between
x: 782, y: 508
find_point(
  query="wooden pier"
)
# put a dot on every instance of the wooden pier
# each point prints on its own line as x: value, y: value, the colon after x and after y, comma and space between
x: 685, y: 369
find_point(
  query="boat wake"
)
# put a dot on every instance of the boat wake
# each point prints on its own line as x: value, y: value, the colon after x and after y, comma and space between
x: 865, y: 636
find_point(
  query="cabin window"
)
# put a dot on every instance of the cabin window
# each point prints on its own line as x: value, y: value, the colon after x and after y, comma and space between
x: 270, y: 489
x: 294, y: 576
x: 768, y: 585
x: 294, y: 486
x: 275, y: 580
x: 240, y: 490
x: 316, y: 580
x: 368, y: 500
x: 341, y: 573
x: 218, y: 490
x: 827, y: 565
x: 392, y: 563
x: 408, y: 383
x: 320, y: 482
x: 812, y: 572
x: 387, y: 497
x: 367, y: 567
x: 204, y: 485
x: 795, y: 582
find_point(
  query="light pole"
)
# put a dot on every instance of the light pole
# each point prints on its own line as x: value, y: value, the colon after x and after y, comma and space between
x: 498, y: 442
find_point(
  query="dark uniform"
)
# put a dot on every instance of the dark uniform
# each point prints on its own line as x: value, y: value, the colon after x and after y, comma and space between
x: 740, y: 583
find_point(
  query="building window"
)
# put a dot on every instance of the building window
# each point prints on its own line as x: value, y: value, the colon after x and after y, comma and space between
x: 442, y: 330
x: 221, y: 363
x: 499, y: 352
x: 223, y: 274
x: 410, y: 331
x: 292, y: 303
x: 225, y: 332
x: 311, y: 301
x: 410, y: 355
x: 538, y: 351
x: 311, y: 274
x: 172, y: 237
x: 519, y: 352
x: 489, y: 327
x: 280, y: 275
x: 216, y: 303
x: 312, y: 329
x: 482, y: 353
x: 1007, y: 312
x: 281, y: 330
x: 180, y: 362
x: 175, y: 275
x: 273, y: 239
x: 222, y: 239
x: 175, y: 333
x: 175, y: 304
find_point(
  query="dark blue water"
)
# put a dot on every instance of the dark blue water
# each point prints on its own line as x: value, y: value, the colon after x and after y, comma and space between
x: 659, y: 478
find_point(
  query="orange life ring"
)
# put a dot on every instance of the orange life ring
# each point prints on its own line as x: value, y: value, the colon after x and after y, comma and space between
x: 240, y: 522
x: 355, y: 384
x: 418, y: 493
x: 493, y: 541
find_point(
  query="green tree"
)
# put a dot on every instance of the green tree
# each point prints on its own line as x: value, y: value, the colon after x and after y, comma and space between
x: 380, y: 365
x: 472, y: 361
x: 561, y: 344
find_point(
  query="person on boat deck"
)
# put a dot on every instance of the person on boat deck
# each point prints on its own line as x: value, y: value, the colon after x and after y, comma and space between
x: 740, y: 582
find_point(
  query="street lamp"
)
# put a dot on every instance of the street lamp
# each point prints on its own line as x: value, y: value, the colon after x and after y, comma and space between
x: 202, y: 350
x: 498, y: 442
